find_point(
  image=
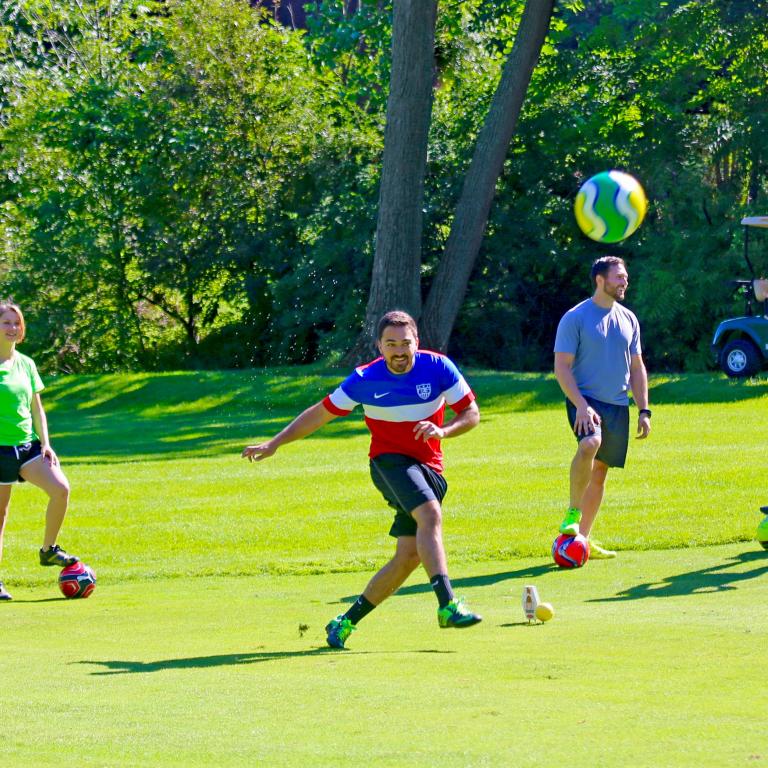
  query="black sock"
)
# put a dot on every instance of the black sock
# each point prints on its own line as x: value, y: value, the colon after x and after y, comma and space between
x: 442, y: 586
x: 359, y: 610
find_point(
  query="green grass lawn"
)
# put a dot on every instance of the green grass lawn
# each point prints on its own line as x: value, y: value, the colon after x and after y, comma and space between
x: 193, y: 649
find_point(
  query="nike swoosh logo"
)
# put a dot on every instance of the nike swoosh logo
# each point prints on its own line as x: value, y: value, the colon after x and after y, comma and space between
x: 376, y: 395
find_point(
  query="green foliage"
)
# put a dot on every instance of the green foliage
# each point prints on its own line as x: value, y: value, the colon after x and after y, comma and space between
x: 189, y: 184
x: 354, y: 47
x: 164, y: 203
x: 665, y: 92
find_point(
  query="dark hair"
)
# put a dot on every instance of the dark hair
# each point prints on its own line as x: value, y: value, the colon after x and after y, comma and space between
x: 603, y: 265
x: 397, y: 318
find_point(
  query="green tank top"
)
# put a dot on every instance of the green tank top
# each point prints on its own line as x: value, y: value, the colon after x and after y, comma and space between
x: 19, y: 381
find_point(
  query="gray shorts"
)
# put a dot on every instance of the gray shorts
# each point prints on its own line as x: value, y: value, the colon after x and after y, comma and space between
x: 406, y: 484
x: 613, y: 430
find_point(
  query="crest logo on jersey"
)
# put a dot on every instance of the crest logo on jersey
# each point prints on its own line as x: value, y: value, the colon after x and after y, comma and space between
x: 424, y: 391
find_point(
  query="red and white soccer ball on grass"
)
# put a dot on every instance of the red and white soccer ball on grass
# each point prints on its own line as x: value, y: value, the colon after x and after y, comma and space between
x: 77, y: 581
x: 570, y: 551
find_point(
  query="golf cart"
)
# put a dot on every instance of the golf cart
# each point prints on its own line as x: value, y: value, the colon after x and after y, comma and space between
x: 740, y: 344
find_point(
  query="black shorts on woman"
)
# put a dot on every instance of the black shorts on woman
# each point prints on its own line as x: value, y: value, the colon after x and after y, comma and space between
x: 613, y: 430
x: 405, y: 484
x: 13, y: 458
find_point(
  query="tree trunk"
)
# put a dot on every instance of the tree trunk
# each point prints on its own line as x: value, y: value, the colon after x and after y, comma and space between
x: 396, y: 278
x: 450, y: 284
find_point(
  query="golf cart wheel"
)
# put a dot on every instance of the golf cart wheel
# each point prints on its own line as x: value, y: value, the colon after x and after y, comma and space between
x: 740, y: 358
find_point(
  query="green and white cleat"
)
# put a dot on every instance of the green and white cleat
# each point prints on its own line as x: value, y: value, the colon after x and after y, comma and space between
x: 338, y: 630
x: 457, y: 615
x: 598, y: 552
x: 570, y: 524
x: 762, y: 532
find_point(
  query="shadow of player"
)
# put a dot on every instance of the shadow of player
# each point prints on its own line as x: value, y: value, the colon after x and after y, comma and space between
x: 467, y: 582
x: 716, y: 578
x: 115, y: 667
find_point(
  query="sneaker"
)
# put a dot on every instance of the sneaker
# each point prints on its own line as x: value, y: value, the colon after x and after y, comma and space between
x: 570, y: 524
x: 456, y: 614
x: 598, y: 552
x: 762, y: 533
x: 4, y: 593
x: 338, y: 630
x: 55, y: 555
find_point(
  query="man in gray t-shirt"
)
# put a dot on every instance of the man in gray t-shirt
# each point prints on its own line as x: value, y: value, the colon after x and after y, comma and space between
x: 598, y: 360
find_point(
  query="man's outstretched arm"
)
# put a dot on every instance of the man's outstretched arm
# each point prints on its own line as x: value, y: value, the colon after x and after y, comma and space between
x: 304, y: 424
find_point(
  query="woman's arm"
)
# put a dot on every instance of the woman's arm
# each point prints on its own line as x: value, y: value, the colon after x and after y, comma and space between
x: 40, y: 423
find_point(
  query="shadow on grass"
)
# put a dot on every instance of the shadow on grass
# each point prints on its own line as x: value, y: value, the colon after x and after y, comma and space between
x: 523, y: 623
x: 92, y: 440
x: 226, y: 660
x: 42, y: 600
x: 532, y: 391
x: 109, y: 418
x: 470, y: 581
x: 262, y: 389
x: 700, y: 388
x: 716, y: 578
x: 193, y: 414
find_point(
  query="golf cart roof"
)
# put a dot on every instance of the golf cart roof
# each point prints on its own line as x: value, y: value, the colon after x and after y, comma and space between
x: 755, y: 221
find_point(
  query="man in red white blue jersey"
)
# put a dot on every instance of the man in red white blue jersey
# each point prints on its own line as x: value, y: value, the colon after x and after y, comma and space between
x: 403, y: 394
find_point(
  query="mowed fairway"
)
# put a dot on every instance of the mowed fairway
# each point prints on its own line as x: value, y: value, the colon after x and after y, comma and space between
x: 204, y: 645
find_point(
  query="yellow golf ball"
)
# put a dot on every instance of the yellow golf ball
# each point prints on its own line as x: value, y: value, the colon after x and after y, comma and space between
x: 544, y: 611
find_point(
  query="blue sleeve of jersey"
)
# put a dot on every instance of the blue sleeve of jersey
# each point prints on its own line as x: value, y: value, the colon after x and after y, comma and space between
x: 635, y: 348
x: 567, y: 338
x: 450, y: 374
x: 353, y: 387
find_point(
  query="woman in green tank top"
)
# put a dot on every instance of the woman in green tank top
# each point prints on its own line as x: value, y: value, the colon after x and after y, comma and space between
x: 25, y: 449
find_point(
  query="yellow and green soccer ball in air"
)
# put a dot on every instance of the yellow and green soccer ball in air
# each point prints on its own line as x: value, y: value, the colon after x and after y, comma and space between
x: 610, y: 206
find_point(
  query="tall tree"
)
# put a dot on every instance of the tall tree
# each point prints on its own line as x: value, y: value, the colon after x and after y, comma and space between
x: 397, y: 260
x: 396, y: 278
x: 450, y: 284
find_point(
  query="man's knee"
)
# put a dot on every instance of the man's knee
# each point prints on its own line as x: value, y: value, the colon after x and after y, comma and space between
x: 428, y: 515
x: 589, y: 446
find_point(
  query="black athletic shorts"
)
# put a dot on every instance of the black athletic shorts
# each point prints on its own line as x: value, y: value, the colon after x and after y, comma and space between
x: 613, y: 430
x: 13, y: 458
x: 406, y: 484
